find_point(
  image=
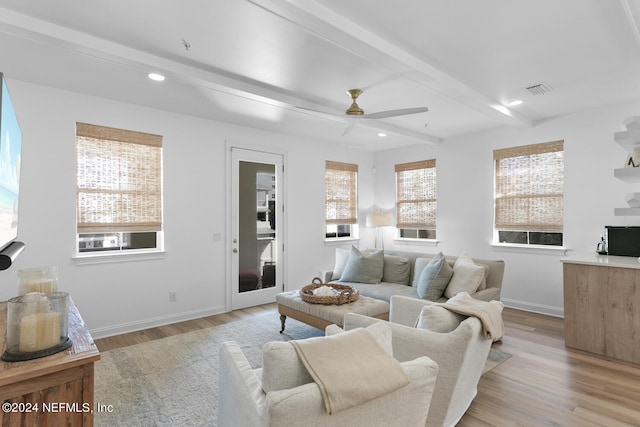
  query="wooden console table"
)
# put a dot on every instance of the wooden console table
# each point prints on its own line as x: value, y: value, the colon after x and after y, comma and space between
x: 602, y: 306
x: 55, y: 390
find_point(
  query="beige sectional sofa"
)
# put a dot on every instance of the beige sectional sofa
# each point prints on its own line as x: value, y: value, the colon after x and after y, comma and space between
x: 400, y: 279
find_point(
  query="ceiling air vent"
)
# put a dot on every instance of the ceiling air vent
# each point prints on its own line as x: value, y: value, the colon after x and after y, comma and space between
x: 539, y: 89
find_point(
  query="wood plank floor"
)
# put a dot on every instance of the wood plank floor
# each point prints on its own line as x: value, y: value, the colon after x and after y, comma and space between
x: 542, y: 384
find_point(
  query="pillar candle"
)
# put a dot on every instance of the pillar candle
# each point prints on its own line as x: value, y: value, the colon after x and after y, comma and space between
x: 41, y: 286
x: 39, y: 331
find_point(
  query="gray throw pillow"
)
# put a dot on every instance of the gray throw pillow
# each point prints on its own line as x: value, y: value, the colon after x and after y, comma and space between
x: 397, y: 269
x: 434, y: 278
x: 363, y: 267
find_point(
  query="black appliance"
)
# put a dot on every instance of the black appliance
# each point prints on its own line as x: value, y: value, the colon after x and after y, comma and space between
x: 623, y: 241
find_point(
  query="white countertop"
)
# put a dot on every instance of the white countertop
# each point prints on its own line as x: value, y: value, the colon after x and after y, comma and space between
x: 603, y: 260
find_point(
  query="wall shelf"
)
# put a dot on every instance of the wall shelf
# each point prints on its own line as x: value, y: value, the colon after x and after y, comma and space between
x: 629, y: 139
x: 627, y: 174
x: 626, y: 211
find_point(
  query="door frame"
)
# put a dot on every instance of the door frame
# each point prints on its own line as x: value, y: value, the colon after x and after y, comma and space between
x: 229, y: 234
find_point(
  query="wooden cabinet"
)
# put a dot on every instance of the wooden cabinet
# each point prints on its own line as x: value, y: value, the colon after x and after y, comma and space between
x: 602, y: 306
x: 56, y: 390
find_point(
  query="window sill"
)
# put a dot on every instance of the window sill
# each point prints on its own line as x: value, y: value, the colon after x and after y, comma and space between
x: 536, y: 249
x: 416, y: 242
x: 341, y: 241
x: 105, y: 258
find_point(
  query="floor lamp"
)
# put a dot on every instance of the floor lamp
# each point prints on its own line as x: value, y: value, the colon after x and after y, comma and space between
x: 377, y: 220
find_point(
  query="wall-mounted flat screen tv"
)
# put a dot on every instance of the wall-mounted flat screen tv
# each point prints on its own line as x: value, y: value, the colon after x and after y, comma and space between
x: 10, y: 150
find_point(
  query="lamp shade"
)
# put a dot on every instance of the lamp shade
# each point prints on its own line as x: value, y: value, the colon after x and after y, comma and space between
x: 379, y: 219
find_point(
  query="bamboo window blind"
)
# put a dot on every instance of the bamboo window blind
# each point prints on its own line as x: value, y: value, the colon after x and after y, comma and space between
x: 416, y: 195
x: 341, y: 182
x: 529, y: 183
x: 119, y: 180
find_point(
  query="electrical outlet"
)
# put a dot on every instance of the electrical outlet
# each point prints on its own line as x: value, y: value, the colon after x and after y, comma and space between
x: 172, y: 296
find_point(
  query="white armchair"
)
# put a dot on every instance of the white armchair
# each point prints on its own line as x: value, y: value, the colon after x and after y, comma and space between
x: 244, y: 401
x: 460, y: 354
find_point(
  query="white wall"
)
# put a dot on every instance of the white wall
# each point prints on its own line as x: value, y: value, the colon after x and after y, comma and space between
x: 132, y: 295
x: 533, y: 281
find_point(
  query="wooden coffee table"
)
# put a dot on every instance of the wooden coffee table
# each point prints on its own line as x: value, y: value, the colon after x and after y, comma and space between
x: 320, y: 315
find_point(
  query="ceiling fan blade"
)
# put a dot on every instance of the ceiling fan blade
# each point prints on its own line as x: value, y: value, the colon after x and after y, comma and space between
x: 350, y: 125
x: 395, y: 113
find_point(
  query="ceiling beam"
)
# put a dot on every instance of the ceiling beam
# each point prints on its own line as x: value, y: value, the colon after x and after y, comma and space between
x: 30, y: 28
x: 325, y: 23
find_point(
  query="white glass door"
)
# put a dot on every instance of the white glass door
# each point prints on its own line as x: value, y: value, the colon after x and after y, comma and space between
x: 256, y: 227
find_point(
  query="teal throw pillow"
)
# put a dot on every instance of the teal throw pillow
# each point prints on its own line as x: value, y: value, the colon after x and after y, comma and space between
x: 363, y: 266
x: 434, y: 278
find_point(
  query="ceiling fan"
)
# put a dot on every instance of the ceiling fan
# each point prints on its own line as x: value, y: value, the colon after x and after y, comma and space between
x: 355, y: 112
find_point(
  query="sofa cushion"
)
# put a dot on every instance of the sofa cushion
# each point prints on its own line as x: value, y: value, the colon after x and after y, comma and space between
x: 434, y: 278
x: 383, y: 290
x: 438, y: 319
x: 467, y: 276
x: 396, y: 269
x: 282, y: 369
x: 363, y: 266
x: 342, y: 256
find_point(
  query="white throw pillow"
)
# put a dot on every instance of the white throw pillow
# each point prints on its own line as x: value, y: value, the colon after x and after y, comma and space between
x: 483, y: 282
x: 438, y: 319
x: 342, y: 256
x: 282, y: 369
x: 467, y: 276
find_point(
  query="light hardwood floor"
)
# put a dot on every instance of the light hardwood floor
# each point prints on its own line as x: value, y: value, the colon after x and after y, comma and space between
x: 542, y: 384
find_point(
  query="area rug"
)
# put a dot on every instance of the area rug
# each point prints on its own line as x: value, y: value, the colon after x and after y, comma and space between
x: 173, y: 381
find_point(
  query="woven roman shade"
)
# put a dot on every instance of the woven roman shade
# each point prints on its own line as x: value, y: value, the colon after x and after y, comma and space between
x: 119, y: 179
x: 529, y: 187
x: 416, y: 195
x: 341, y: 203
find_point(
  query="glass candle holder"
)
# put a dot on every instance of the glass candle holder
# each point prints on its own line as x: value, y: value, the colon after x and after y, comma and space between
x: 40, y: 279
x: 37, y: 325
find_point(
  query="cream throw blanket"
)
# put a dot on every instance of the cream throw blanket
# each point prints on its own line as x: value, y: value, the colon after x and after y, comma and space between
x: 350, y: 368
x: 489, y: 313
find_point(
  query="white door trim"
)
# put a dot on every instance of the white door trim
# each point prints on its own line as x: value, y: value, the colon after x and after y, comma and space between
x: 251, y: 151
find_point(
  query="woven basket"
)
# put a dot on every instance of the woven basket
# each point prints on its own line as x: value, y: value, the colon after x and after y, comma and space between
x: 347, y: 293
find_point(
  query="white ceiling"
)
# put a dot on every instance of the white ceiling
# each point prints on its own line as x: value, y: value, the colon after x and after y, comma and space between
x: 253, y: 62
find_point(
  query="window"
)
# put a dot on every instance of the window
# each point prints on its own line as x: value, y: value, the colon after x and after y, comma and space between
x: 341, y: 202
x: 529, y: 182
x: 416, y: 199
x: 119, y: 189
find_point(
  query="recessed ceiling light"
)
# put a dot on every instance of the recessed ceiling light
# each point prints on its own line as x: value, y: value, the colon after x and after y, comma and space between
x: 515, y: 102
x: 382, y: 134
x: 156, y: 77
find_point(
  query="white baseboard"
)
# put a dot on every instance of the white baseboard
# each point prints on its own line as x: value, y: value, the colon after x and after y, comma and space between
x: 533, y: 307
x: 124, y: 328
